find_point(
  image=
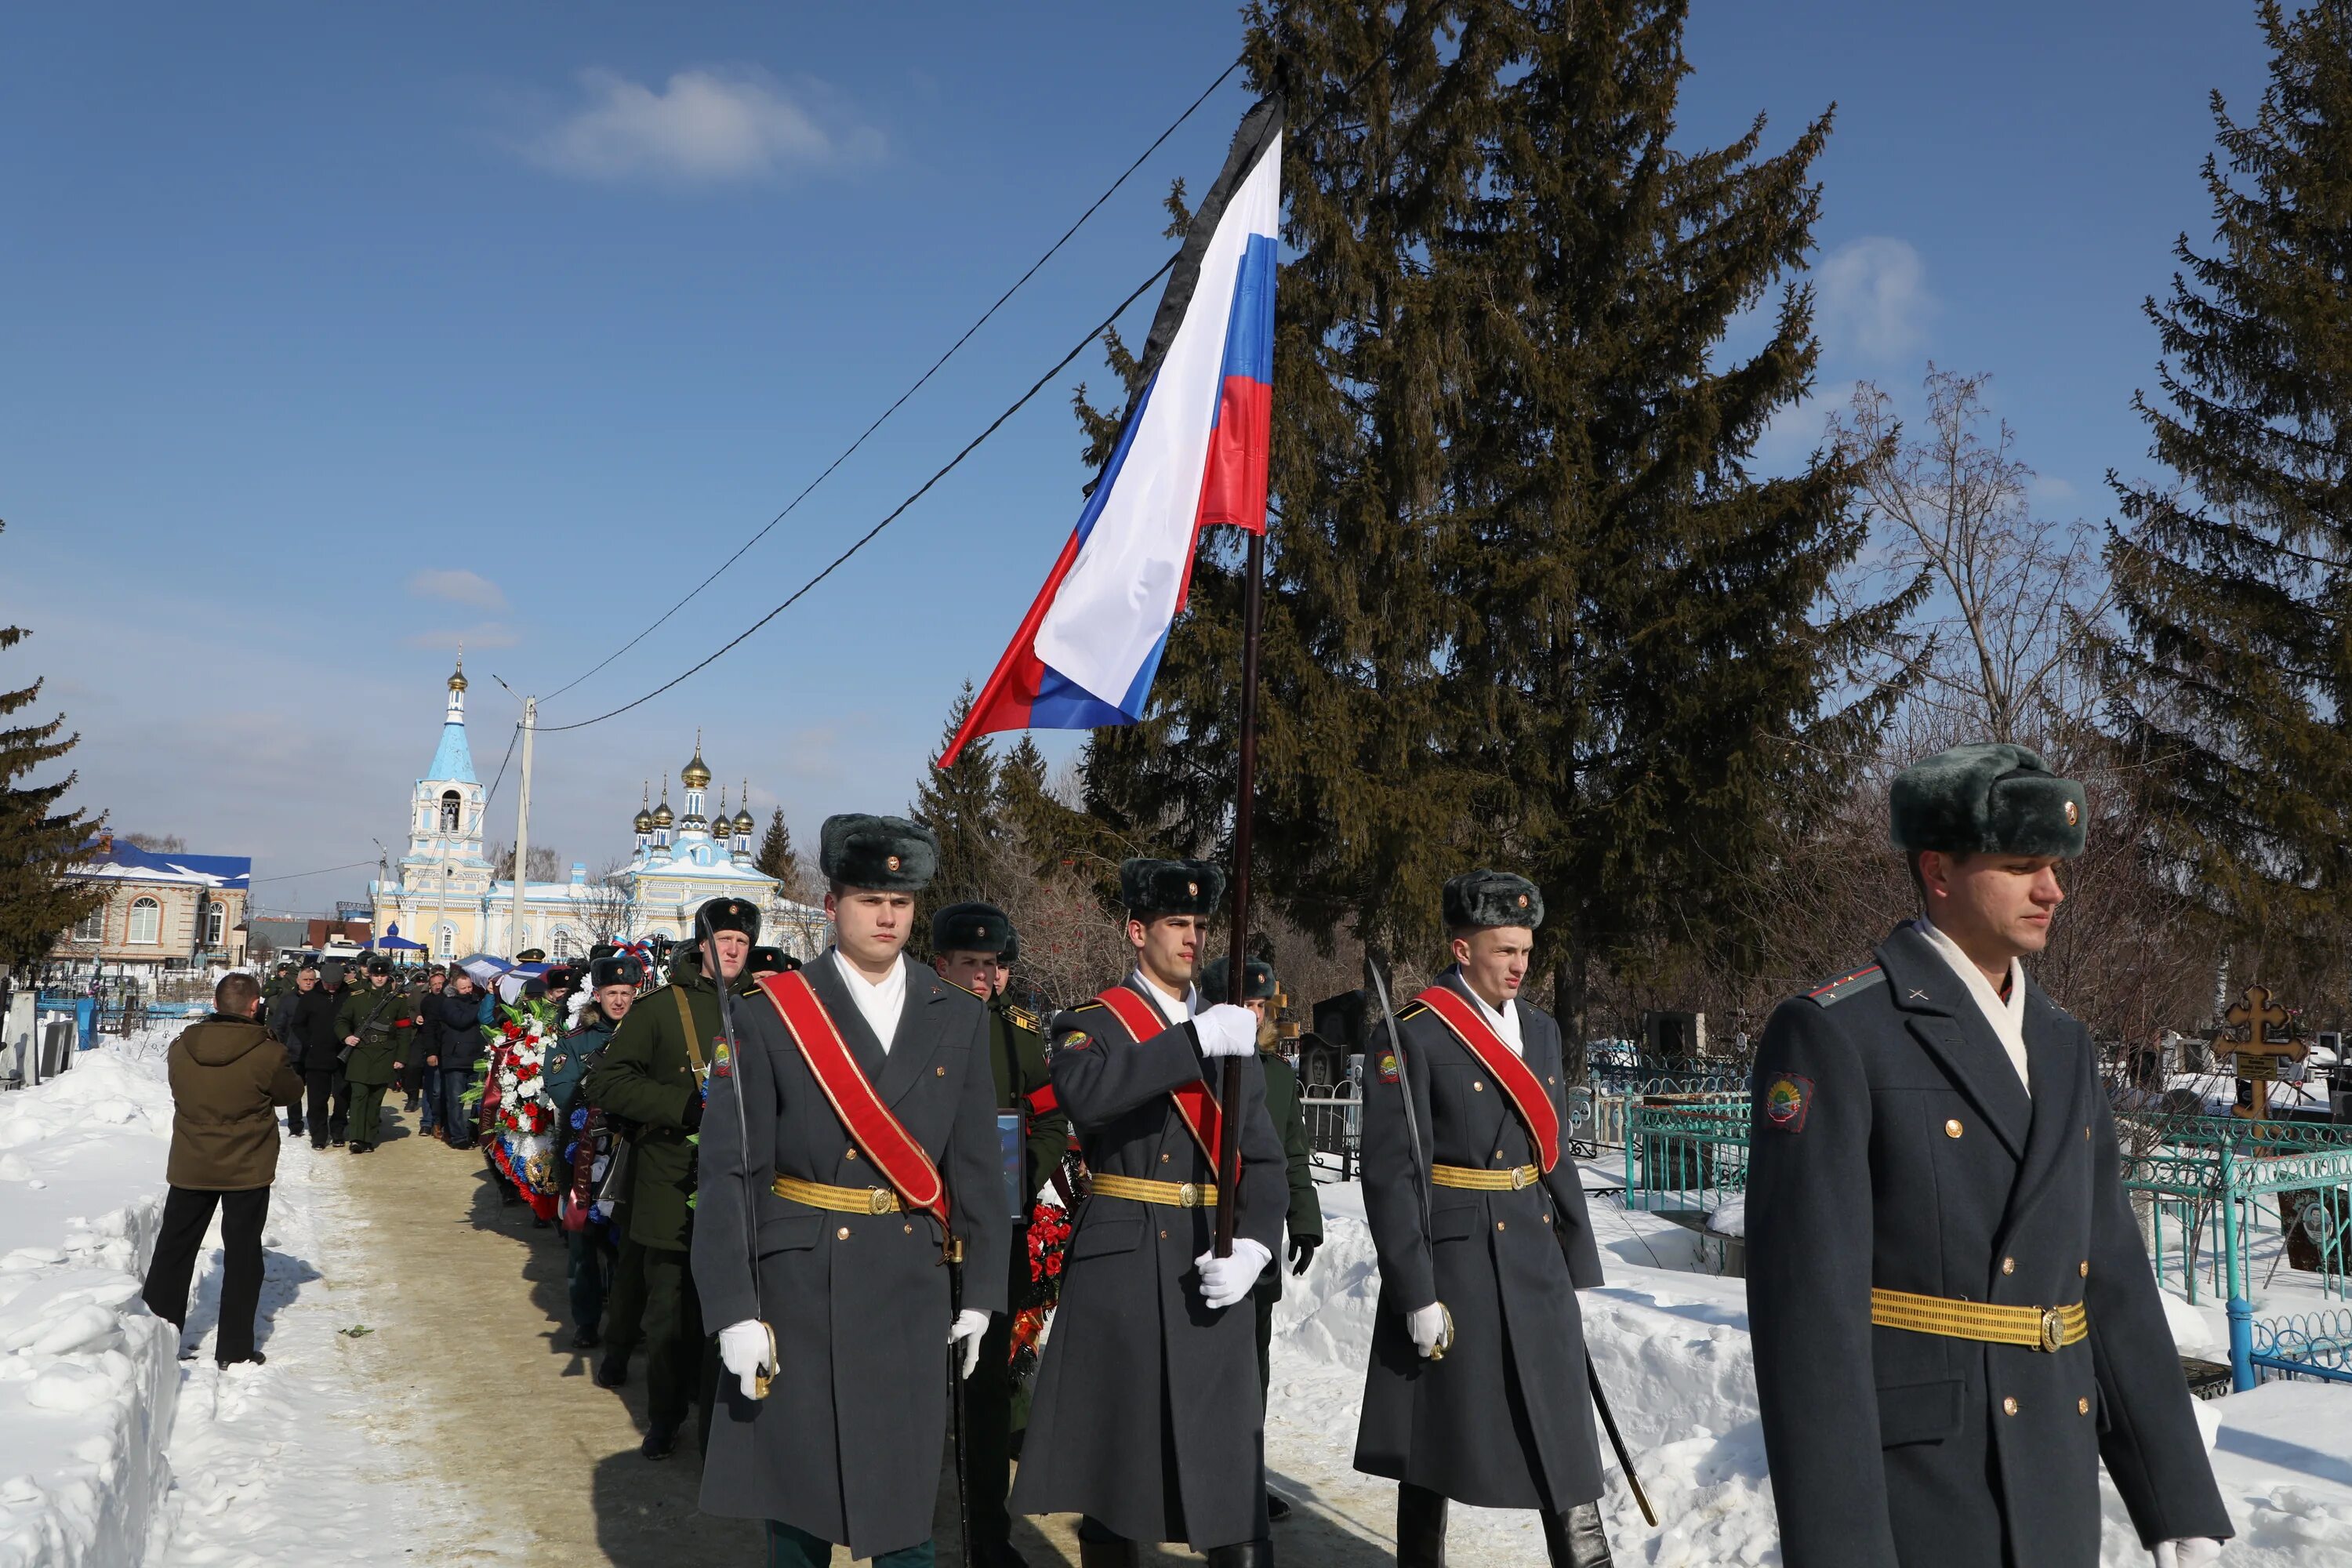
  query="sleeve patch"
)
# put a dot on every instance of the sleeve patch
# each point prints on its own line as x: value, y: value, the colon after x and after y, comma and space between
x: 1788, y: 1102
x: 1387, y: 1067
x: 722, y: 1059
x: 1076, y: 1040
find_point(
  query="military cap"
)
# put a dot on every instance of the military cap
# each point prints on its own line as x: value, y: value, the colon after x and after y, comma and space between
x: 1170, y: 886
x: 602, y: 950
x: 727, y: 914
x: 531, y: 956
x: 883, y: 854
x: 1987, y: 798
x: 534, y: 988
x: 562, y: 975
x: 1257, y: 980
x: 610, y: 971
x: 1484, y: 898
x: 769, y: 960
x: 379, y: 966
x: 1012, y: 953
x: 970, y: 928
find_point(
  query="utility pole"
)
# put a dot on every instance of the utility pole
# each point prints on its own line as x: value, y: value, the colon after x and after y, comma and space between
x: 523, y: 825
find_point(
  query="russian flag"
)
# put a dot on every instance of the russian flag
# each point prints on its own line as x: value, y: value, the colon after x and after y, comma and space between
x: 1191, y: 453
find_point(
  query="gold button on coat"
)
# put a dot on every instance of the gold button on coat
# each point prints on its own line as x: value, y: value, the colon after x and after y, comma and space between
x: 2009, y: 1265
x: 2082, y: 1407
x: 1952, y: 1128
x: 2009, y: 1405
x: 849, y: 1154
x: 1499, y: 1225
x: 2084, y: 1268
x: 842, y: 1235
x: 1476, y: 1087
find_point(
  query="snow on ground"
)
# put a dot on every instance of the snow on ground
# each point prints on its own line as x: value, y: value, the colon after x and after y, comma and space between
x: 1673, y: 1350
x: 114, y: 1452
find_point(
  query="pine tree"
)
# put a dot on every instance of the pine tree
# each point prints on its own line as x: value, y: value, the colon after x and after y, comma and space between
x: 37, y: 842
x: 1643, y: 663
x: 776, y: 857
x: 2234, y: 583
x: 959, y: 804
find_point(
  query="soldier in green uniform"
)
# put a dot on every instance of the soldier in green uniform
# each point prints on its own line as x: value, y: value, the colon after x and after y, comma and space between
x: 372, y: 1021
x: 651, y: 1076
x: 1305, y: 1221
x: 969, y: 943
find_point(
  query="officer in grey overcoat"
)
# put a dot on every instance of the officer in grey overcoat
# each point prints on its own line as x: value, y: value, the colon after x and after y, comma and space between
x: 1147, y: 1420
x: 1954, y: 1316
x: 1501, y: 1416
x: 851, y: 1282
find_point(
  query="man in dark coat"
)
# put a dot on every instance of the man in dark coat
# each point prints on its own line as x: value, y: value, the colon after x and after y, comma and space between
x: 322, y: 1043
x: 1953, y: 1311
x: 1148, y: 1419
x: 229, y: 1077
x: 1261, y: 992
x: 281, y: 1009
x: 651, y: 1075
x: 850, y: 1146
x: 613, y: 989
x: 1477, y: 1388
x: 374, y: 1020
x: 967, y: 946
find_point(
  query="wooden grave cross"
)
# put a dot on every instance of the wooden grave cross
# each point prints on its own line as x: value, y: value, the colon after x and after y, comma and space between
x: 2257, y: 1055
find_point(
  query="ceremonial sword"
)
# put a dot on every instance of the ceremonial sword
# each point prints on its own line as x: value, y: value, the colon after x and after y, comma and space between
x: 708, y: 938
x: 1411, y: 1130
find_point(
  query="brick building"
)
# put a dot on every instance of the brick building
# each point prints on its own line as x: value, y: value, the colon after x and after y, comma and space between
x: 163, y: 910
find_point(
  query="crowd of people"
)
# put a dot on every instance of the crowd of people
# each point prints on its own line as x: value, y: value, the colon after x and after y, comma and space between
x: 826, y: 1200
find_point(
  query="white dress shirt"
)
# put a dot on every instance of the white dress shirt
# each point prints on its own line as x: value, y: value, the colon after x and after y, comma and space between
x: 2006, y: 1015
x: 1506, y: 1023
x: 880, y: 1004
x: 1175, y: 1009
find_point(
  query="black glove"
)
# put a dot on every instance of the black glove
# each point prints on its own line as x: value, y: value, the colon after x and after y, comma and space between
x: 1302, y: 1252
x: 694, y: 1111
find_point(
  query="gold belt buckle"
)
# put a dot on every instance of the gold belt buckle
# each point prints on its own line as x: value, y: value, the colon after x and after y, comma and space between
x: 881, y: 1200
x: 1519, y: 1177
x: 1188, y: 1196
x: 2053, y: 1329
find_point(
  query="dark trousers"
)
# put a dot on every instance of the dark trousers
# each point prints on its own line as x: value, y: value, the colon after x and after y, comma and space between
x: 790, y: 1546
x: 367, y: 1113
x: 987, y: 1414
x: 328, y: 1090
x: 624, y: 1303
x: 188, y: 1214
x: 1264, y: 1301
x: 456, y: 1121
x: 294, y: 1112
x: 675, y: 1343
x: 584, y: 1263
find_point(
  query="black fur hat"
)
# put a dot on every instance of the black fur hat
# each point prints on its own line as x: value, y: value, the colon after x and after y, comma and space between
x: 769, y: 960
x: 1485, y: 899
x: 1149, y: 888
x: 883, y: 854
x: 607, y: 972
x: 970, y: 928
x: 1987, y: 798
x: 1257, y: 981
x: 727, y: 914
x: 379, y: 966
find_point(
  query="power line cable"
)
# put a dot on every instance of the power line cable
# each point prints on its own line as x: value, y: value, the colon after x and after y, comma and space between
x: 851, y: 449
x: 511, y: 734
x: 867, y: 537
x: 298, y: 876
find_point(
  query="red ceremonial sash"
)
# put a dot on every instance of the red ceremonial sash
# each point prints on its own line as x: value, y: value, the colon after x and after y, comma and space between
x: 892, y: 1149
x: 1535, y: 1107
x: 1194, y: 1103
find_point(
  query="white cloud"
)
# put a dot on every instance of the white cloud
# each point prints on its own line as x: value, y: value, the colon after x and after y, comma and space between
x: 701, y: 127
x: 1796, y: 432
x: 2049, y: 490
x: 458, y: 586
x: 482, y: 634
x: 1873, y: 298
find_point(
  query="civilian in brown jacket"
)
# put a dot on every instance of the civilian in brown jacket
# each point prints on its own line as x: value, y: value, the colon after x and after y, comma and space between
x: 228, y: 1077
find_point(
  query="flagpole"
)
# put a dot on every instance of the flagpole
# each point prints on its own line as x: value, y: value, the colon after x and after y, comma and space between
x: 1229, y: 1148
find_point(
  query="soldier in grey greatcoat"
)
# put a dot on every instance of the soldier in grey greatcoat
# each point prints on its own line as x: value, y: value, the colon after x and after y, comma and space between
x: 1954, y: 1316
x: 1147, y: 1421
x: 851, y: 1310
x: 1498, y: 1414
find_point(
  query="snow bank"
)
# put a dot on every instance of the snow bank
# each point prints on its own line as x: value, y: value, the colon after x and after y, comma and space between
x: 1673, y: 1350
x: 89, y: 1378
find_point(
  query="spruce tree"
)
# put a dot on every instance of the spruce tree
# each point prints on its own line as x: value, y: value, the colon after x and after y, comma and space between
x: 2233, y: 580
x: 776, y: 858
x: 959, y: 803
x: 37, y: 842
x: 1643, y: 669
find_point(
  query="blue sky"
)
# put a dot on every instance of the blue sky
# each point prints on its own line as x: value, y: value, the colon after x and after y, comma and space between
x: 332, y: 336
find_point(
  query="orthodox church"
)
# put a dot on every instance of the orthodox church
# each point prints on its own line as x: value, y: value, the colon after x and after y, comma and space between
x: 443, y: 897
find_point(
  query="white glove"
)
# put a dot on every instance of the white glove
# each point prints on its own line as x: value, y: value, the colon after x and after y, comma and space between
x: 1227, y: 1030
x: 747, y: 1349
x: 1225, y: 1280
x: 2197, y: 1552
x: 1427, y: 1326
x: 969, y: 1328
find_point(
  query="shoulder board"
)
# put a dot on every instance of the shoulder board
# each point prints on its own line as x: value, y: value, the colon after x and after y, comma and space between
x: 1088, y: 1005
x: 1412, y: 1010
x: 1839, y: 990
x: 1021, y: 1017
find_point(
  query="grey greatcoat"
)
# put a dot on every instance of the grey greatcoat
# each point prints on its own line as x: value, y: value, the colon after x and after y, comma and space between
x: 1146, y: 1416
x: 847, y: 1445
x: 1506, y: 1419
x: 1893, y: 1145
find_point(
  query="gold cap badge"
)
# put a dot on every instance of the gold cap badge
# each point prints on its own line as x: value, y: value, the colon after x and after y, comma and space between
x: 1192, y: 890
x: 892, y: 862
x: 2070, y: 814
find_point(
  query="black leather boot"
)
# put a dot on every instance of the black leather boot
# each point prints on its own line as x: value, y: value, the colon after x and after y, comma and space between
x: 1108, y: 1553
x: 1575, y: 1539
x: 1248, y: 1555
x: 1421, y: 1527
